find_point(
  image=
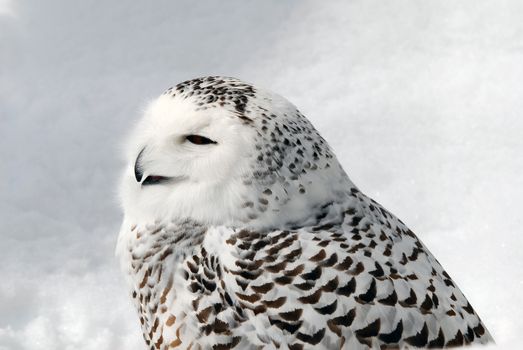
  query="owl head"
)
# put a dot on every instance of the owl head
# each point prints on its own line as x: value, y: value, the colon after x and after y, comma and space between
x: 222, y: 152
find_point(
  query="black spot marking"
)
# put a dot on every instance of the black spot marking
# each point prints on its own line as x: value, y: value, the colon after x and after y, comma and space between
x: 419, y: 339
x: 457, y: 341
x: 371, y: 330
x: 286, y: 326
x: 291, y: 315
x: 328, y: 309
x: 391, y: 300
x: 311, y: 339
x: 410, y: 301
x: 368, y: 296
x: 394, y: 336
x: 312, y: 275
x: 437, y: 342
x: 347, y: 289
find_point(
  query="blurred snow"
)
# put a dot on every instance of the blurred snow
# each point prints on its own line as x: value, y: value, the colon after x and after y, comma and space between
x: 5, y: 8
x: 421, y: 101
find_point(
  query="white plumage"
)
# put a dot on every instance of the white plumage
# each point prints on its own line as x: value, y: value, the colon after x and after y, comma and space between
x: 242, y: 230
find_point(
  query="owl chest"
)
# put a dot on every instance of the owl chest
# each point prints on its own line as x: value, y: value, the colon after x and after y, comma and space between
x: 177, y: 296
x: 154, y: 293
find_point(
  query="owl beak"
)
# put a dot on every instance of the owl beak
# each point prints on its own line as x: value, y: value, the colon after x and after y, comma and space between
x: 138, y: 170
x: 149, y: 179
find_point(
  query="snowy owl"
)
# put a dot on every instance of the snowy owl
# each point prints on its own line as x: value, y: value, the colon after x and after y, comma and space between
x: 241, y: 230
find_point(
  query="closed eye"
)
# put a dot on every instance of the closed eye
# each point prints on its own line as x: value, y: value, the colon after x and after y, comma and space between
x: 199, y: 140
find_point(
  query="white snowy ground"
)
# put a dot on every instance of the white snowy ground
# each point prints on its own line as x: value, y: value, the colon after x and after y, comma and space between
x: 422, y: 102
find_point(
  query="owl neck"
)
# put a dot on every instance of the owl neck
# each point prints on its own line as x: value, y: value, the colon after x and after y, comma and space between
x: 146, y: 244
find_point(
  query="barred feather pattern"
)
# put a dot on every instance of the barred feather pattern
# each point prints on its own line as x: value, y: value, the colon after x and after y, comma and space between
x: 358, y: 279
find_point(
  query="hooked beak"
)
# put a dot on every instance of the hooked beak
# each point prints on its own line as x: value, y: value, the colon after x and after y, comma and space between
x: 149, y: 179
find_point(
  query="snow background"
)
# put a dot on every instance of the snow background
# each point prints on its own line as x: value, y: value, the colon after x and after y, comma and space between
x: 421, y: 100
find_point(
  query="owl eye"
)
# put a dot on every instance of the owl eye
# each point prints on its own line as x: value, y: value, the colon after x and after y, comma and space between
x: 199, y: 140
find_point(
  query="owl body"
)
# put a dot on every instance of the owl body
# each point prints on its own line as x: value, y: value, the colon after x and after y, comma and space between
x: 280, y: 250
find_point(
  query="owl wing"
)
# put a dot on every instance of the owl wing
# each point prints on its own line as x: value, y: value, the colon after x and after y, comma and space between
x: 365, y: 281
